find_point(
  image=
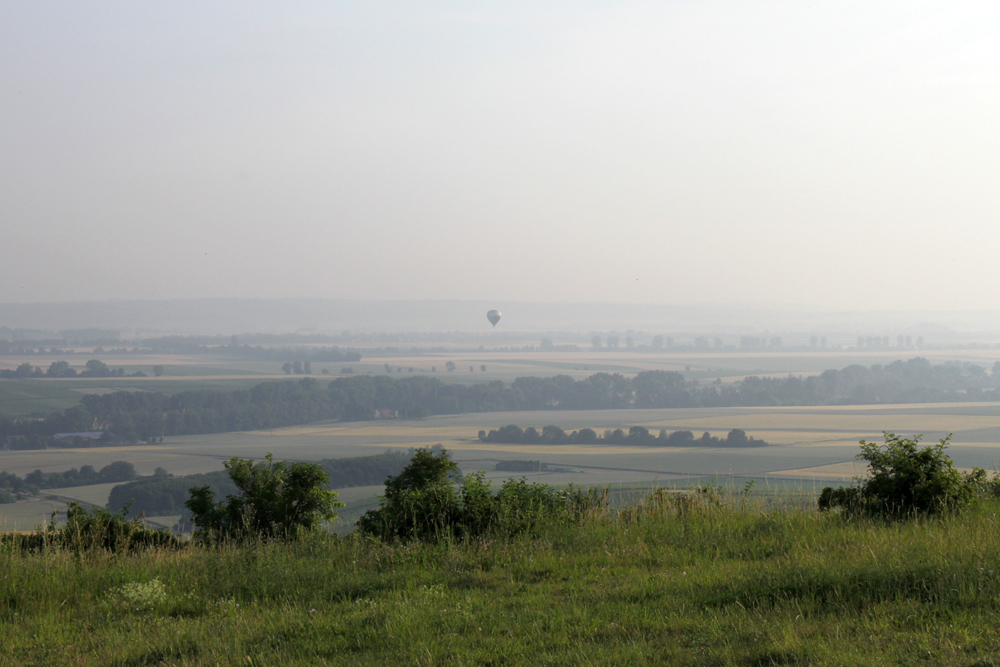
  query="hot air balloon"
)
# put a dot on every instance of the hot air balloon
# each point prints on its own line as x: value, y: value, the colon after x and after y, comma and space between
x: 493, y: 316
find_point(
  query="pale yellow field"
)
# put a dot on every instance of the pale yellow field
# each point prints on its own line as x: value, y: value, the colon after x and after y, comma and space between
x: 95, y: 494
x: 820, y: 419
x: 844, y: 471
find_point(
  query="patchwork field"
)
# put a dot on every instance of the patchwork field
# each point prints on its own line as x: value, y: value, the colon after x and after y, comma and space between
x: 811, y: 446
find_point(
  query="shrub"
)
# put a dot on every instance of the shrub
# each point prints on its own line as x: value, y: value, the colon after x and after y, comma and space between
x: 276, y: 500
x: 96, y: 529
x: 904, y: 479
x: 419, y: 503
x: 426, y: 502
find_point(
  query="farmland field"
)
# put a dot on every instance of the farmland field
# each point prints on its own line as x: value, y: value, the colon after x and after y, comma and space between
x: 811, y: 446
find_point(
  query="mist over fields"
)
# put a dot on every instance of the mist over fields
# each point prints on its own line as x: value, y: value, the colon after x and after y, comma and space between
x: 218, y: 316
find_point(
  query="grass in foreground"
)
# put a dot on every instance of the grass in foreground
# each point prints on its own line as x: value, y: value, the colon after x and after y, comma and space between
x: 674, y: 582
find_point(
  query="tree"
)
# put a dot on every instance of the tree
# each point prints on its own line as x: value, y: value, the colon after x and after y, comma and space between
x: 657, y: 343
x: 424, y: 503
x: 275, y: 500
x: 612, y: 342
x: 596, y: 342
x: 297, y: 368
x: 450, y: 366
x: 420, y: 502
x: 287, y: 367
x: 60, y: 369
x: 307, y: 368
x: 482, y: 367
x: 904, y: 479
x: 158, y: 371
x: 97, y: 368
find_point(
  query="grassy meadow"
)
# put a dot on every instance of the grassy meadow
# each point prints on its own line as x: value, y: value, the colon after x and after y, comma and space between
x: 673, y: 581
x: 756, y: 579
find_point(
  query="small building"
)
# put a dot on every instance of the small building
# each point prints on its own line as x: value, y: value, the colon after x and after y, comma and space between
x: 387, y: 414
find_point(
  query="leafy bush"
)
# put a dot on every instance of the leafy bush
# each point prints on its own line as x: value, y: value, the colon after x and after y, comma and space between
x: 96, y: 529
x: 276, y: 500
x: 904, y: 479
x: 426, y: 502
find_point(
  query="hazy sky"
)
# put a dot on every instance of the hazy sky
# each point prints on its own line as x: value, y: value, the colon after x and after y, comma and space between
x: 840, y: 154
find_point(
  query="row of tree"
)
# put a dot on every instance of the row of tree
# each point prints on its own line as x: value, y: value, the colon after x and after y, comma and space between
x: 94, y: 368
x: 147, y: 415
x: 637, y: 435
x: 13, y: 487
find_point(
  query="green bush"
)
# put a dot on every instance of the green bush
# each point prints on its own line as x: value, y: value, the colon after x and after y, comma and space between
x: 426, y: 502
x: 96, y: 529
x: 276, y: 500
x: 904, y: 479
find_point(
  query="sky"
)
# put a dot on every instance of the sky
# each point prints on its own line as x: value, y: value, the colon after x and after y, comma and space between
x: 841, y: 155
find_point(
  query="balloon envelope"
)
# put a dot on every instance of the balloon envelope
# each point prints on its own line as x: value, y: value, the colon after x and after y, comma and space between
x: 493, y: 316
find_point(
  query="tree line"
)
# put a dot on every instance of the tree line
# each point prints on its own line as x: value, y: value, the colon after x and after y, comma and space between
x: 637, y: 435
x: 95, y: 368
x: 131, y: 416
x: 14, y: 488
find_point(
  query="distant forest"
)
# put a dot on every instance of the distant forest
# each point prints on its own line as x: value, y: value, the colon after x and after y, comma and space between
x: 131, y: 416
x: 637, y: 435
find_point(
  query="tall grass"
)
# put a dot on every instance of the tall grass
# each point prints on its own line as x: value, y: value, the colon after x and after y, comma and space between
x: 675, y: 579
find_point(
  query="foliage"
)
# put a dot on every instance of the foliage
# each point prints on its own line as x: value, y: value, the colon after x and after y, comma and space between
x: 904, y: 480
x: 95, y: 529
x: 165, y: 495
x: 425, y: 502
x: 276, y: 499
